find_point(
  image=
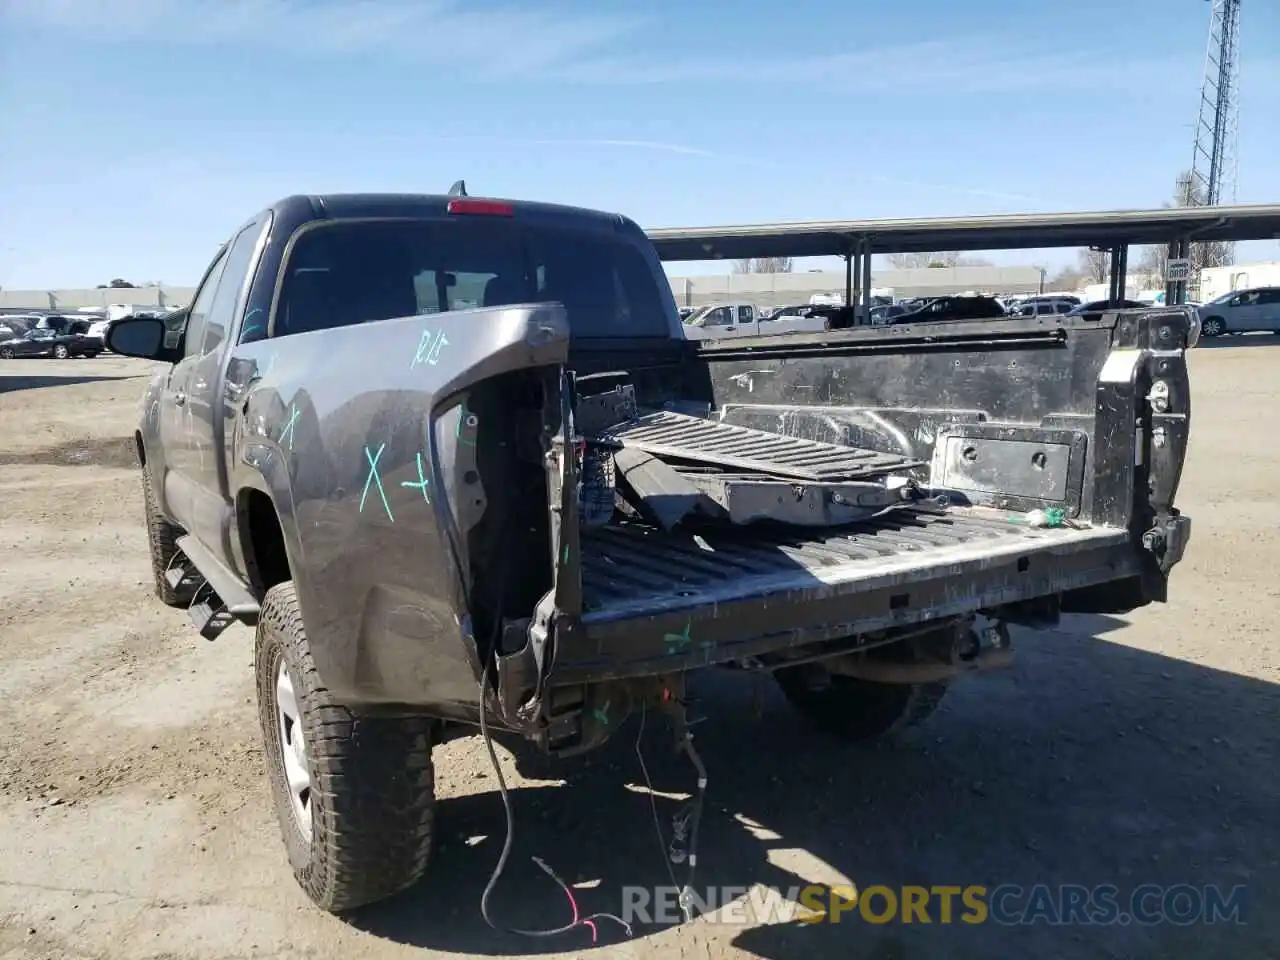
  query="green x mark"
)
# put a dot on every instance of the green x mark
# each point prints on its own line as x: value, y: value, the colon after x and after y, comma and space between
x: 677, y: 641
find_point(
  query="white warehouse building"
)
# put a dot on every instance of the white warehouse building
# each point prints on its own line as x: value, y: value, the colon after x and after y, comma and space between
x: 766, y: 289
x: 788, y: 289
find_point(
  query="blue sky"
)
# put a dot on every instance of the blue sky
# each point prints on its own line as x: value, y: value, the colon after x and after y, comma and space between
x: 136, y: 134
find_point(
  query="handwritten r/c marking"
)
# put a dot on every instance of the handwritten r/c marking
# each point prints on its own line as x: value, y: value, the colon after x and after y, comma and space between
x: 429, y: 347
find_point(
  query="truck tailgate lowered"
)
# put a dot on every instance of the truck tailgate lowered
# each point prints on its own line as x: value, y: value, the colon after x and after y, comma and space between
x: 715, y: 594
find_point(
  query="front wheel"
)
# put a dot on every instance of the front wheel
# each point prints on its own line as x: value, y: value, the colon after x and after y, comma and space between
x: 61, y: 351
x: 162, y: 538
x: 6, y: 353
x: 1213, y: 327
x: 354, y: 796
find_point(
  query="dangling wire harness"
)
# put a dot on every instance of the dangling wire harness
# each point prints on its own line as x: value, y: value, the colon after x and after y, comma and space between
x: 683, y: 847
x: 577, y: 920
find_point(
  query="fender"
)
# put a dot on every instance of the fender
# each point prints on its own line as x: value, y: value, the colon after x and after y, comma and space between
x: 151, y: 457
x: 257, y: 463
x: 262, y: 471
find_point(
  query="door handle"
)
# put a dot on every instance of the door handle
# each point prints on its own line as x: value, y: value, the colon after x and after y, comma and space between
x: 179, y: 399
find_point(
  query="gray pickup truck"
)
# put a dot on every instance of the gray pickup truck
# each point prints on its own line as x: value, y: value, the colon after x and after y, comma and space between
x: 456, y: 462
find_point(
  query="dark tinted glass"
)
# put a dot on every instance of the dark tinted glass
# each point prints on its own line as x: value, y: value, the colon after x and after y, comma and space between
x: 222, y: 309
x: 355, y: 272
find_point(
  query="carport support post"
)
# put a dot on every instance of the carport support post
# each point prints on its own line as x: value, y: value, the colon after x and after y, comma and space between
x: 1119, y: 271
x: 1175, y: 291
x: 848, y: 279
x: 866, y: 281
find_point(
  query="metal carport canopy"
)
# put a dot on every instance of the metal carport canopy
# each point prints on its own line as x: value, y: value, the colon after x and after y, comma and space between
x: 1107, y: 229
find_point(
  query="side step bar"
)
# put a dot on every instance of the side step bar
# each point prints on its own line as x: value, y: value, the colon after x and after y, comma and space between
x: 226, y: 598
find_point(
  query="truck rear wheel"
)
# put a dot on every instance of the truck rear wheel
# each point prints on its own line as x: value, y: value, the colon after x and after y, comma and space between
x: 162, y: 538
x: 854, y: 709
x: 354, y: 796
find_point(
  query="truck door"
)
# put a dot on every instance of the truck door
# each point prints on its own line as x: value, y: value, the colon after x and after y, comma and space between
x: 203, y: 459
x: 1244, y: 312
x: 1269, y: 309
x: 174, y: 410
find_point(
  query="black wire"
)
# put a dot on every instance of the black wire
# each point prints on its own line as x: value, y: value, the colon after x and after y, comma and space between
x: 491, y: 657
x: 696, y: 816
x: 511, y: 826
x: 507, y: 843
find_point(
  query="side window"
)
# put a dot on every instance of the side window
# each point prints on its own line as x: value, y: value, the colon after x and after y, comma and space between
x: 1270, y: 296
x: 200, y: 307
x: 222, y: 309
x: 745, y: 315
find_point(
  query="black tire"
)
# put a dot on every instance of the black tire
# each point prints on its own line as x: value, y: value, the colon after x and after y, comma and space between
x: 61, y: 352
x: 1213, y: 327
x: 372, y: 803
x: 856, y: 710
x: 6, y: 353
x: 162, y: 537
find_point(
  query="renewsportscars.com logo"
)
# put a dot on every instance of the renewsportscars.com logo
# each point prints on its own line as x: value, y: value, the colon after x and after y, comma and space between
x: 1007, y: 905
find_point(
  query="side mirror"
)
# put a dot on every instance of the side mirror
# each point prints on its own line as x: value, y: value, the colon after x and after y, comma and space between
x: 138, y: 337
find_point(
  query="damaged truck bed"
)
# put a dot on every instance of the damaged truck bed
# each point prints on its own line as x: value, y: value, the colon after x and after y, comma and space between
x: 762, y: 531
x: 691, y: 527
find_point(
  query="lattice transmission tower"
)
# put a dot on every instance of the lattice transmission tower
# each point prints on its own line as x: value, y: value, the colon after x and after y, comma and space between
x: 1215, y: 161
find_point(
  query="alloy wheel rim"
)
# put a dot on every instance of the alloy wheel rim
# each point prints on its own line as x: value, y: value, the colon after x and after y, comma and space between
x: 293, y: 751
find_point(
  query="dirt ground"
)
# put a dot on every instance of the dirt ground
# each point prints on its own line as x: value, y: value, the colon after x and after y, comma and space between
x: 135, y: 820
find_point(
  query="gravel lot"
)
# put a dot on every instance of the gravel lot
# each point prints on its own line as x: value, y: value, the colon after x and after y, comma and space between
x: 135, y: 821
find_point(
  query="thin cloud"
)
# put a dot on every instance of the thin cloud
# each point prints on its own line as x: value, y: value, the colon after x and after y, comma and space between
x: 496, y: 41
x: 961, y: 66
x: 652, y: 145
x: 796, y: 168
x: 951, y: 188
x: 482, y: 41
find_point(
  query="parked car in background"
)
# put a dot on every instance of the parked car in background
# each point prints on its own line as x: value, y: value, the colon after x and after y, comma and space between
x: 723, y: 314
x: 1043, y: 308
x: 43, y: 342
x: 1046, y: 304
x: 1241, y: 311
x: 942, y: 309
x: 717, y: 321
x: 886, y: 312
x: 1096, y: 308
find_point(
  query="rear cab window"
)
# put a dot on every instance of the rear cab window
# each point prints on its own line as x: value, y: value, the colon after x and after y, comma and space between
x: 346, y: 272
